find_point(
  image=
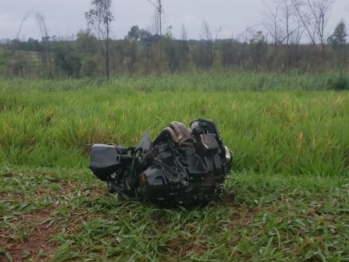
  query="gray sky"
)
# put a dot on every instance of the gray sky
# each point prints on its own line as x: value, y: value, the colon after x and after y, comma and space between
x: 66, y: 17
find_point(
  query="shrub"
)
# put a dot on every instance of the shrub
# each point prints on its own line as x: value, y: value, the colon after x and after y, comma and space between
x: 338, y: 83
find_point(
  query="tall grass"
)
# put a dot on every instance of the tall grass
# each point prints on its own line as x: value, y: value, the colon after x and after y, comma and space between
x: 214, y: 81
x: 286, y: 201
x: 49, y: 123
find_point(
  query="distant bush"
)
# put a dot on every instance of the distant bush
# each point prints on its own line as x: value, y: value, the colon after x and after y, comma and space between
x: 88, y: 67
x: 338, y: 83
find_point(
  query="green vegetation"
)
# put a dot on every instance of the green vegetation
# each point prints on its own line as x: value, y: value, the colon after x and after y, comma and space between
x: 61, y: 215
x: 49, y: 123
x: 141, y: 53
x: 286, y: 200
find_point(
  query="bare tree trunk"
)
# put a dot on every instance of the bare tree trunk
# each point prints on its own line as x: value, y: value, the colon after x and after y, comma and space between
x: 100, y: 19
x: 273, y: 27
x: 158, y: 23
x: 27, y: 14
x: 305, y: 18
x: 159, y: 15
x: 208, y: 50
x: 319, y: 11
x: 107, y: 51
x: 184, y: 49
x: 314, y: 17
x: 45, y: 39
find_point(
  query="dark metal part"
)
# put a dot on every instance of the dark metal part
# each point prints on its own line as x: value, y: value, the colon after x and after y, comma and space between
x: 181, y: 166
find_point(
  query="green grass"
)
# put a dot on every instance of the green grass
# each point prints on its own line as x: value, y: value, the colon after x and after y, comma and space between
x: 271, y: 218
x: 286, y: 200
x: 288, y: 132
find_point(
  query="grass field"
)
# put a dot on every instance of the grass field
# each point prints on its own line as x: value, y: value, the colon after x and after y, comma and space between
x: 286, y: 200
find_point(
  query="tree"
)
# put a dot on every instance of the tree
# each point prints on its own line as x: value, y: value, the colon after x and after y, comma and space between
x: 67, y: 61
x: 273, y: 26
x: 136, y: 34
x: 313, y: 14
x: 88, y: 67
x: 338, y: 42
x: 155, y: 42
x: 339, y: 37
x: 100, y: 18
x: 206, y: 54
x: 45, y: 40
x: 159, y: 11
x: 86, y: 42
x: 26, y: 15
x: 287, y: 13
x: 258, y: 49
x: 184, y: 48
x: 171, y: 50
x: 144, y: 35
x: 282, y: 26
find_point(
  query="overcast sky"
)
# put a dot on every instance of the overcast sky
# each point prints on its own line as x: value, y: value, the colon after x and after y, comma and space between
x: 66, y: 17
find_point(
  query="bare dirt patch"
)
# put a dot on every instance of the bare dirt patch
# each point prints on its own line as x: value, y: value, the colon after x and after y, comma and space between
x: 28, y: 236
x: 4, y: 196
x: 36, y: 245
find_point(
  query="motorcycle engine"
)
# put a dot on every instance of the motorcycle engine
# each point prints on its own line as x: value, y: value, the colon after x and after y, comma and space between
x: 181, y: 166
x: 189, y: 167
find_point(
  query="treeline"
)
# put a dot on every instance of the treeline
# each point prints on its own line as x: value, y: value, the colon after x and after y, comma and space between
x: 151, y: 54
x: 277, y: 46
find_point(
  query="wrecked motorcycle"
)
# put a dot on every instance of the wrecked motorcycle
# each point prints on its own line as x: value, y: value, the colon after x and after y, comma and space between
x: 182, y: 166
